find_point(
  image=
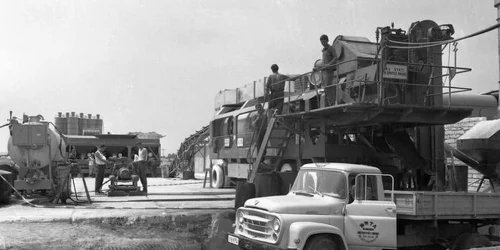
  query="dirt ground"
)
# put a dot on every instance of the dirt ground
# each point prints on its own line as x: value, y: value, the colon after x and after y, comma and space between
x: 60, y: 235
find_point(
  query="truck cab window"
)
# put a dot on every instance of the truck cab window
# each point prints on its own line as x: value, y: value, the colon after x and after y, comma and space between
x: 366, y: 187
x: 327, y: 183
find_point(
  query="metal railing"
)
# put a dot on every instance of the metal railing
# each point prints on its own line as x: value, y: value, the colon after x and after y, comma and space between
x: 342, y: 85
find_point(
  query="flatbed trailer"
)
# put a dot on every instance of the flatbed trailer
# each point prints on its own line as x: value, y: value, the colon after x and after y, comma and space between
x: 424, y: 205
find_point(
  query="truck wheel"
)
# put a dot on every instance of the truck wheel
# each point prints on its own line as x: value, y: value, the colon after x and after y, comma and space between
x: 244, y: 191
x: 320, y: 242
x: 470, y: 240
x: 217, y: 177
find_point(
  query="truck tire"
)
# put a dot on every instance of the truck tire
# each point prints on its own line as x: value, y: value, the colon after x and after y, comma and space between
x: 244, y: 192
x: 321, y: 242
x: 217, y: 176
x: 470, y: 240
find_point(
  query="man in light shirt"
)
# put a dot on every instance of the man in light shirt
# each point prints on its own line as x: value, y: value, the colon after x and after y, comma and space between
x: 100, y: 161
x: 141, y: 165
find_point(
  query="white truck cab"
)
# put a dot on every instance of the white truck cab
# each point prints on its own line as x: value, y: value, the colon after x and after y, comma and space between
x: 330, y: 206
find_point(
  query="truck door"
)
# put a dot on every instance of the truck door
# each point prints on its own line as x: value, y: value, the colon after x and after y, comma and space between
x: 370, y: 220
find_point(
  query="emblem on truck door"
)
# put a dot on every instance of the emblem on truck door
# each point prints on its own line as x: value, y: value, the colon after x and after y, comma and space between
x: 368, y: 232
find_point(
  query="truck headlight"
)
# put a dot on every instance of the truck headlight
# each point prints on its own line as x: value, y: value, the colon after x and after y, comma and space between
x: 276, y: 225
x: 240, y: 217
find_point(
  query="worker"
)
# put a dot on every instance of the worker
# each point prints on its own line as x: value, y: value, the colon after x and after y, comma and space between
x: 152, y: 164
x: 275, y: 87
x: 91, y: 164
x: 101, y: 162
x: 329, y: 57
x: 258, y: 125
x: 141, y: 166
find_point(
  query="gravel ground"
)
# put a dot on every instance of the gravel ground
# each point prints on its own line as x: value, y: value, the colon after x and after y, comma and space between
x: 81, y: 236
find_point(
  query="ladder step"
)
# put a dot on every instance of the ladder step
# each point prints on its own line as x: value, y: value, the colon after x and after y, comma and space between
x: 278, y: 137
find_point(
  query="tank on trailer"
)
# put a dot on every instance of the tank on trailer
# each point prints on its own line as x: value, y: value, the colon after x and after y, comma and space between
x: 39, y: 151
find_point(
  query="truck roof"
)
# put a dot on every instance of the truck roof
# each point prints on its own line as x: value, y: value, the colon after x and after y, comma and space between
x: 356, y: 168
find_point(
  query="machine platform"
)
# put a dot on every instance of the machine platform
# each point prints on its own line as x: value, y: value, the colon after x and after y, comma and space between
x: 364, y: 114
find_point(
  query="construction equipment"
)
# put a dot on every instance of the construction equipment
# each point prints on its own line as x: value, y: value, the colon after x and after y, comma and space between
x: 382, y: 130
x: 39, y: 151
x: 122, y: 180
x: 387, y: 112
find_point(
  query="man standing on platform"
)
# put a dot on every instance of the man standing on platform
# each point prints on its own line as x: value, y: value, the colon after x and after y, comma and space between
x: 329, y: 57
x: 275, y: 87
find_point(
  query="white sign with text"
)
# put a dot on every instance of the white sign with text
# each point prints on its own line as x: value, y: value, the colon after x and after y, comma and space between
x: 395, y: 71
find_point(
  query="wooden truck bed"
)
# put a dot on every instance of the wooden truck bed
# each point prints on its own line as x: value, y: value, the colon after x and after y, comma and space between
x: 418, y: 205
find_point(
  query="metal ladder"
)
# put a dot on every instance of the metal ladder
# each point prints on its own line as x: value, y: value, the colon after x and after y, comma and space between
x: 280, y: 137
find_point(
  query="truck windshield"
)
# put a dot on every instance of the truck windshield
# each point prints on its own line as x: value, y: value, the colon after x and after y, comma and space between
x: 323, y: 182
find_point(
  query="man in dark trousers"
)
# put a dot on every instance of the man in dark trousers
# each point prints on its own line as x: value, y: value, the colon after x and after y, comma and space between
x: 141, y: 166
x: 329, y: 57
x: 275, y: 88
x: 259, y: 124
x: 100, y: 161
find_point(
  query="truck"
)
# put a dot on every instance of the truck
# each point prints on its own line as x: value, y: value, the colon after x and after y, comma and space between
x: 378, y: 139
x: 351, y: 206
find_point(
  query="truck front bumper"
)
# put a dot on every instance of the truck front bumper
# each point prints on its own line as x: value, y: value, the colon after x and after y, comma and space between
x: 249, y: 244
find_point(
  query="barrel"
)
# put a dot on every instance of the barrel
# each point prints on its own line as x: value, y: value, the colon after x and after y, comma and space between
x: 73, y: 125
x: 5, y: 189
x: 267, y: 184
x: 244, y: 191
x: 286, y: 180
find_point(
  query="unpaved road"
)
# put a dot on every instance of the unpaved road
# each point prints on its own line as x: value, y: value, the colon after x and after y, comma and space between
x: 60, y: 235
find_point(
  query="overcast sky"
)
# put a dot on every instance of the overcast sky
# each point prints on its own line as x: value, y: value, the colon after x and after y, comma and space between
x: 157, y: 65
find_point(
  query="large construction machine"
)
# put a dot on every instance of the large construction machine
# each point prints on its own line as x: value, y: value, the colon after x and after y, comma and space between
x: 387, y: 111
x: 369, y: 155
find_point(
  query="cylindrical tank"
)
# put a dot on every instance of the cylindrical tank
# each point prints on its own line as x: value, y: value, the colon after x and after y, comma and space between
x: 37, y: 157
x: 98, y: 123
x: 60, y: 123
x: 83, y: 124
x: 91, y: 122
x: 73, y: 124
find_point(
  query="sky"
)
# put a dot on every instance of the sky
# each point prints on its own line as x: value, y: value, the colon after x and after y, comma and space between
x: 157, y: 65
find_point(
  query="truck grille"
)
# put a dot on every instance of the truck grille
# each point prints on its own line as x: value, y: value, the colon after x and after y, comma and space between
x: 257, y: 224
